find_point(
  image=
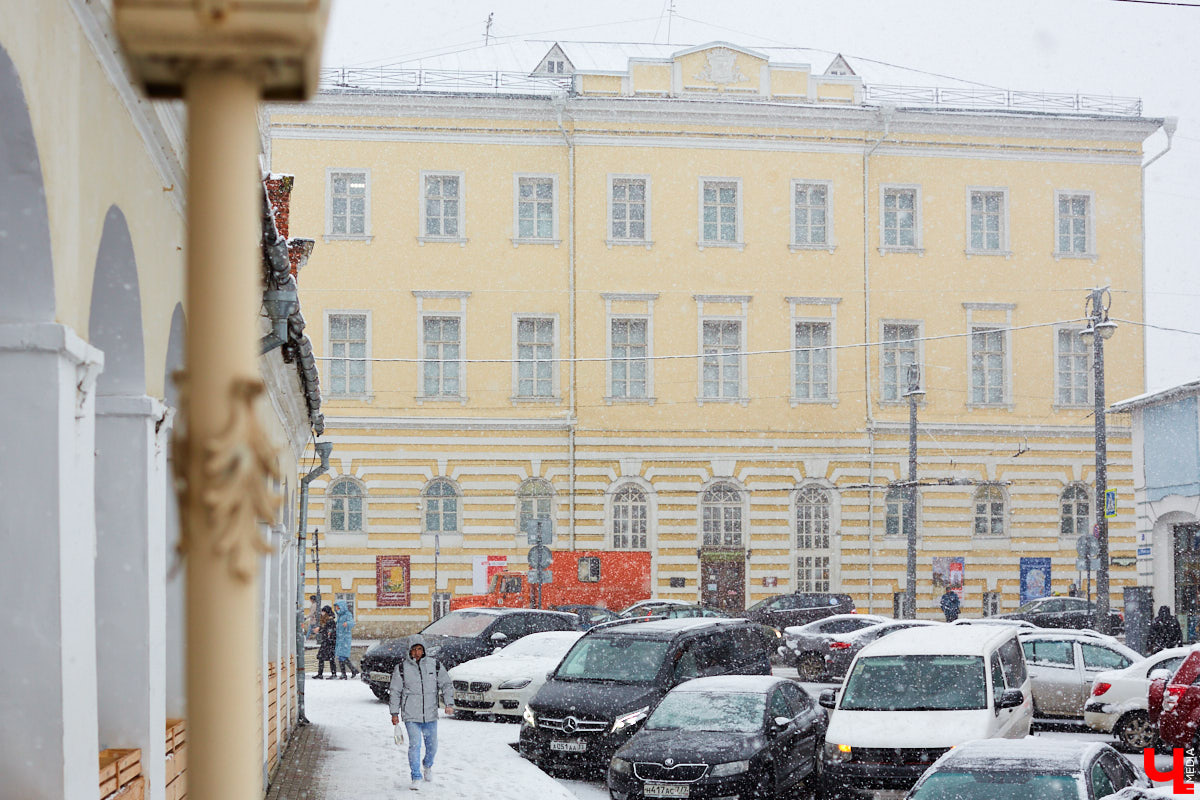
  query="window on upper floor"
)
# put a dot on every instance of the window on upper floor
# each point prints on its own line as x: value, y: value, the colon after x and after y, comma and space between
x: 1076, y: 511
x: 536, y: 213
x: 899, y: 349
x: 990, y: 511
x: 812, y: 518
x: 1073, y: 368
x: 535, y: 500
x: 630, y: 518
x: 894, y: 522
x: 441, y: 507
x: 629, y: 206
x: 811, y: 220
x: 900, y: 227
x: 442, y: 356
x: 989, y: 366
x: 345, y: 500
x: 720, y: 212
x: 987, y: 221
x: 812, y: 361
x: 348, y: 345
x: 442, y: 211
x: 721, y: 513
x: 557, y: 66
x: 535, y: 367
x: 1074, y: 231
x: 721, y: 365
x: 628, y: 362
x: 348, y: 203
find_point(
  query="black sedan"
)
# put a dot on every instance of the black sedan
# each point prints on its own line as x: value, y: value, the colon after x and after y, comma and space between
x: 733, y: 735
x: 783, y: 610
x: 1064, y: 612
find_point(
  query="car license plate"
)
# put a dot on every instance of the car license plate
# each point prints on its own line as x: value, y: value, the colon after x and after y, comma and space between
x: 666, y: 790
x: 382, y: 677
x: 469, y: 697
x: 568, y: 747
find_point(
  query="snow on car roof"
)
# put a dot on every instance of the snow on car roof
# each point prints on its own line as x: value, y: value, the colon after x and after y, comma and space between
x: 800, y: 629
x: 1036, y: 754
x: 730, y: 683
x: 939, y: 639
x: 662, y: 627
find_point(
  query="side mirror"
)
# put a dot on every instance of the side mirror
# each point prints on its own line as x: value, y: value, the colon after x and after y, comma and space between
x: 778, y: 725
x: 1010, y: 699
x: 499, y: 639
x: 827, y: 698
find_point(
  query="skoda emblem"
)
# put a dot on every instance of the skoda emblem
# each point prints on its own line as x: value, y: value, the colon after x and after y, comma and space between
x: 570, y: 724
x: 670, y: 762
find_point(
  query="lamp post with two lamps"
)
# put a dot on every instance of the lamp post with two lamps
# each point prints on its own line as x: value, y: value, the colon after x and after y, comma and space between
x: 1099, y: 328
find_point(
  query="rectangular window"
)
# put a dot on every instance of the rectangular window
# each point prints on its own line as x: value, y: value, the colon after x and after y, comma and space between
x: 1074, y: 368
x: 812, y: 361
x: 535, y: 357
x: 347, y: 354
x: 721, y: 366
x: 812, y: 573
x: 589, y: 569
x: 810, y: 213
x: 535, y: 207
x: 441, y: 604
x: 629, y: 361
x: 348, y: 597
x: 347, y: 204
x: 443, y: 206
x: 630, y: 201
x: 899, y: 350
x: 987, y: 221
x: 719, y: 212
x: 988, y: 366
x: 442, y: 357
x: 1073, y: 223
x: 900, y: 217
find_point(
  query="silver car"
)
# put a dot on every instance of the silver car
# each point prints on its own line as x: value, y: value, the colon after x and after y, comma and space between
x: 1064, y: 664
x: 806, y: 646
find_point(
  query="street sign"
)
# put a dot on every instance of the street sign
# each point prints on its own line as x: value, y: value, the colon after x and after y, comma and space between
x: 1110, y: 503
x: 539, y: 557
x: 540, y: 576
x: 1086, y: 546
x: 1086, y: 564
x: 1143, y: 551
x: 539, y: 531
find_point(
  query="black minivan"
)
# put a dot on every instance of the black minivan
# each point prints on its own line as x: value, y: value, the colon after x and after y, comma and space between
x: 615, y: 675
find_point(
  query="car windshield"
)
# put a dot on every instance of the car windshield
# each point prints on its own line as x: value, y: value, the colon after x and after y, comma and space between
x: 620, y: 659
x: 760, y: 604
x: 738, y: 712
x: 1032, y: 605
x: 542, y: 645
x: 915, y: 683
x: 997, y: 785
x: 460, y: 623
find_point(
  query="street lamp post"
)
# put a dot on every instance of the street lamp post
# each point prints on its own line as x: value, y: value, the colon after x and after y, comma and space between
x: 1100, y: 328
x: 914, y: 394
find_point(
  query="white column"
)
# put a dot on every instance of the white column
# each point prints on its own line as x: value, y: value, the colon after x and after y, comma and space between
x: 48, y: 744
x: 131, y: 579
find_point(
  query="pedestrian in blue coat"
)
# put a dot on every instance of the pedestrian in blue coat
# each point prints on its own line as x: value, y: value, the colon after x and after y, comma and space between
x: 345, y: 628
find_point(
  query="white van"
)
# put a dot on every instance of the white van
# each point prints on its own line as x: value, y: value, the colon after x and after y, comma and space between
x: 911, y: 696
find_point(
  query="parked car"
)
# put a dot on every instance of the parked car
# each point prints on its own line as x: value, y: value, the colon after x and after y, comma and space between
x: 843, y: 649
x: 783, y: 610
x: 687, y: 612
x: 913, y: 695
x: 1174, y: 703
x: 460, y: 636
x: 1019, y: 623
x: 1029, y: 769
x: 649, y: 608
x: 1063, y: 666
x: 1119, y: 699
x: 1064, y: 612
x: 729, y: 736
x: 614, y: 676
x: 805, y: 646
x: 503, y: 682
x: 589, y: 616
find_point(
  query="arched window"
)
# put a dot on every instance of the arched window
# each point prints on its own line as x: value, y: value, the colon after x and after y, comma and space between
x: 989, y: 511
x: 812, y: 540
x: 1076, y: 506
x: 535, y: 500
x: 345, y: 507
x: 630, y: 512
x: 441, y: 507
x: 893, y: 516
x: 722, y: 516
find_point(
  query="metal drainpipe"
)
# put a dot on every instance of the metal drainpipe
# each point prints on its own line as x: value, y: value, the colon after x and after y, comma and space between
x: 1169, y: 126
x: 323, y: 450
x: 560, y: 104
x: 886, y: 112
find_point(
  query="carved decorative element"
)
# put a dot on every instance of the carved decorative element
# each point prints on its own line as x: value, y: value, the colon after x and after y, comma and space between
x: 721, y: 67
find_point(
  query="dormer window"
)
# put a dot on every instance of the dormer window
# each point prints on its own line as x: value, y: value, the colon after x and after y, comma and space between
x: 556, y: 66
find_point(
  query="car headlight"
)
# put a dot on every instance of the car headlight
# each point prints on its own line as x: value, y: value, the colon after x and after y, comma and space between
x: 837, y: 753
x: 630, y: 719
x: 620, y: 766
x: 729, y: 768
x: 517, y: 684
x: 530, y: 717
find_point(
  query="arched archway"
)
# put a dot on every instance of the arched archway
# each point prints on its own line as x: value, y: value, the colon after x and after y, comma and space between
x: 175, y: 352
x: 26, y: 264
x: 175, y: 606
x: 115, y: 319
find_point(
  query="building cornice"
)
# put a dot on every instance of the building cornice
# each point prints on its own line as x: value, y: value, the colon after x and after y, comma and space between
x: 334, y: 424
x: 995, y: 431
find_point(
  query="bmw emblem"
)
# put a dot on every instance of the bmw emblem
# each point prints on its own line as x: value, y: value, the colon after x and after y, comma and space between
x: 570, y: 725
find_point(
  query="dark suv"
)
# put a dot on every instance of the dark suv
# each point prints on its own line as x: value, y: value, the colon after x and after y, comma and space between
x: 783, y: 610
x: 460, y: 636
x: 614, y: 676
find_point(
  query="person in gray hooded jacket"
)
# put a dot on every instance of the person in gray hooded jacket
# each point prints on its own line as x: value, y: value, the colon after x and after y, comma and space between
x: 417, y: 681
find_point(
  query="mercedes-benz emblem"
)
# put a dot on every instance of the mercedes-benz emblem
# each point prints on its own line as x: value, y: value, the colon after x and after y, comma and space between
x: 570, y: 725
x: 670, y: 762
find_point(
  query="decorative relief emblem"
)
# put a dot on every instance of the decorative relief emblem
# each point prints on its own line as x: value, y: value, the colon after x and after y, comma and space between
x: 721, y: 67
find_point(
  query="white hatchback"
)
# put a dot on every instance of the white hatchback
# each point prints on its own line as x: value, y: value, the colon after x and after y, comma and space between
x: 1117, y: 704
x: 503, y: 682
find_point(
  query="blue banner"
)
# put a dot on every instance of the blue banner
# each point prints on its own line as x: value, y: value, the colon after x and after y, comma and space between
x: 1035, y: 578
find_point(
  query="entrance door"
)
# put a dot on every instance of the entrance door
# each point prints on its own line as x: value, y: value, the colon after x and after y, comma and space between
x: 723, y: 580
x: 1187, y: 578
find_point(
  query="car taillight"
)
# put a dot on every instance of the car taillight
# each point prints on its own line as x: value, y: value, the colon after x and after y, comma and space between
x: 1100, y: 688
x: 838, y: 645
x: 1171, y: 697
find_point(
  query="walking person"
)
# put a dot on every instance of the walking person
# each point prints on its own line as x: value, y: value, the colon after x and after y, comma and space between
x: 1164, y: 631
x: 950, y: 604
x: 345, y: 629
x: 326, y: 642
x: 417, y: 682
x: 312, y: 620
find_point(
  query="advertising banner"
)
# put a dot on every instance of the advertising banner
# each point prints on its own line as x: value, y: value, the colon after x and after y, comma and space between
x: 482, y: 570
x: 948, y: 571
x: 1035, y: 578
x: 392, y: 585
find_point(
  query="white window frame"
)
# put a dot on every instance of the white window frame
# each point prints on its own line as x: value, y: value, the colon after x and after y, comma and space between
x: 610, y: 512
x: 740, y: 243
x: 743, y: 360
x: 743, y: 497
x: 330, y: 236
x: 835, y: 521
x: 1088, y: 504
x: 901, y: 379
x: 830, y: 243
x: 1058, y: 403
x: 1005, y: 326
x: 902, y: 534
x: 552, y: 495
x: 368, y: 394
x: 347, y: 538
x: 918, y: 245
x: 556, y: 389
x: 423, y: 237
x: 647, y: 240
x: 458, y: 505
x: 1091, y: 252
x: 517, y: 239
x: 832, y: 302
x: 1006, y: 519
x: 1005, y: 246
x: 461, y: 313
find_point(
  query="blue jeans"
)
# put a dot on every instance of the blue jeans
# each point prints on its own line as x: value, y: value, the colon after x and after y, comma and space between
x: 416, y: 732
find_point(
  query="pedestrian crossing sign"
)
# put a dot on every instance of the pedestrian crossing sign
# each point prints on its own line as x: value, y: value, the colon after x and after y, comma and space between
x: 1110, y: 503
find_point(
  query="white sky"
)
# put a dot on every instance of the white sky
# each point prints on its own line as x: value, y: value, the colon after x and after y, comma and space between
x: 1114, y: 47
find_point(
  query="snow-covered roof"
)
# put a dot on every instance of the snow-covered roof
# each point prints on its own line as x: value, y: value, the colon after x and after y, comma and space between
x: 871, y: 630
x: 730, y: 683
x: 1034, y: 754
x: 939, y: 640
x: 668, y: 627
x: 1161, y: 396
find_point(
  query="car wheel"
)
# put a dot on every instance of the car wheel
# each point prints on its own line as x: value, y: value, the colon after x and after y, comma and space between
x: 810, y: 667
x: 1136, y: 732
x: 380, y: 694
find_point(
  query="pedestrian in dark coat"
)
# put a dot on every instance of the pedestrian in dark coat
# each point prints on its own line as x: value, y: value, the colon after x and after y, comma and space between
x: 950, y: 604
x: 1164, y: 631
x: 326, y: 642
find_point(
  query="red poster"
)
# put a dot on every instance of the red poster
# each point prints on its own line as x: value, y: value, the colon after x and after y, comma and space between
x: 392, y: 584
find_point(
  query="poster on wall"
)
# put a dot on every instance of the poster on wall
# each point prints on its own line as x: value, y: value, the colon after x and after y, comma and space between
x: 482, y: 570
x: 947, y: 571
x: 392, y: 585
x: 1035, y: 578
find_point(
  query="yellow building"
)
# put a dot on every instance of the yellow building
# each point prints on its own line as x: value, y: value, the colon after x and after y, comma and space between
x: 668, y: 298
